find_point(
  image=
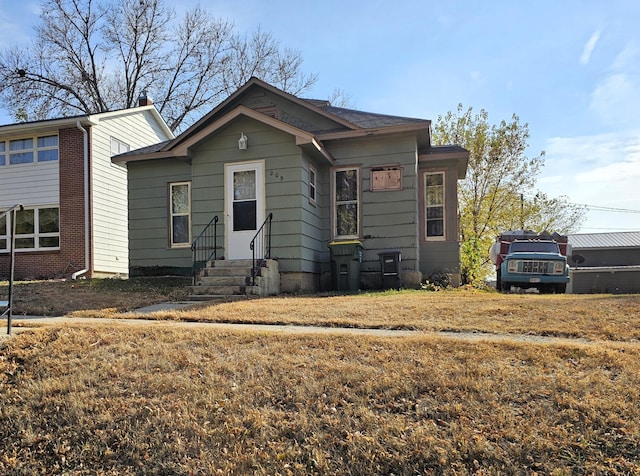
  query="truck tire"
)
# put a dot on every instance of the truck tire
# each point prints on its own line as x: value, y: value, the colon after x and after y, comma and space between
x: 561, y: 288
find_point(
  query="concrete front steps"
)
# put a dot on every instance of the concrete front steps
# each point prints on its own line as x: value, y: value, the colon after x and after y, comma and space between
x: 231, y: 279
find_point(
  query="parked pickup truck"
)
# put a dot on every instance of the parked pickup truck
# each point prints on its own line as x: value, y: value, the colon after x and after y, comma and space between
x: 526, y: 259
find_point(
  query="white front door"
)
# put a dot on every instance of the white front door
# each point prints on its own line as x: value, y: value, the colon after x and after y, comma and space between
x: 244, y: 206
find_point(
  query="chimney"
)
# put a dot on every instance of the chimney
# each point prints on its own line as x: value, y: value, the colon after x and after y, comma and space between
x: 143, y: 99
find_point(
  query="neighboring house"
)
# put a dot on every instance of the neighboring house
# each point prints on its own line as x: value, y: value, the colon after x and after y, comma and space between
x: 326, y: 174
x: 43, y: 167
x: 605, y: 263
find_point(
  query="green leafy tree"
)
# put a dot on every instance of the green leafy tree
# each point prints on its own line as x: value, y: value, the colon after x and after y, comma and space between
x: 91, y: 56
x: 494, y: 196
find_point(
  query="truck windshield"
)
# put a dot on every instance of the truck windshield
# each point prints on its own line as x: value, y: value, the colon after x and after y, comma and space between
x: 534, y: 247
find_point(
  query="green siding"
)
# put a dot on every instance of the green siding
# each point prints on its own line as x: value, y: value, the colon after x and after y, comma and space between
x: 439, y: 257
x: 148, y: 214
x: 388, y: 218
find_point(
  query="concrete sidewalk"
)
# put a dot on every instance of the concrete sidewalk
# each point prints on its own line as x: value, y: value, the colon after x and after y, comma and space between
x: 26, y: 323
x: 23, y: 323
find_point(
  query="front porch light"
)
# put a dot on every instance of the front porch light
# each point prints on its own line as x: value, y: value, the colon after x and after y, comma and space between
x: 242, y: 142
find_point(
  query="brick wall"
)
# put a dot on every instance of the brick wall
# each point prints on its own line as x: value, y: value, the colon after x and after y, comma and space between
x: 70, y: 258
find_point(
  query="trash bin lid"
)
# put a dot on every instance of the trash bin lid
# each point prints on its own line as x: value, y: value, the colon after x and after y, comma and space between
x: 352, y: 242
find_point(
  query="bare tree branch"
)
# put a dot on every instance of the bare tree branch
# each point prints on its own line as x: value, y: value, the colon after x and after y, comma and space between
x: 91, y: 56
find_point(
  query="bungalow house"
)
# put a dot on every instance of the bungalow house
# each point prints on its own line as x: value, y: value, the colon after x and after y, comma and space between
x: 73, y: 219
x: 324, y: 181
x: 605, y: 262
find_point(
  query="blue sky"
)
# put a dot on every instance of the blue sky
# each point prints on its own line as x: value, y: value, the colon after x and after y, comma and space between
x: 570, y: 69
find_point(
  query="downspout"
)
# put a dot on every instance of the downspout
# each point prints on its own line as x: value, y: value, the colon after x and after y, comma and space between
x: 86, y: 202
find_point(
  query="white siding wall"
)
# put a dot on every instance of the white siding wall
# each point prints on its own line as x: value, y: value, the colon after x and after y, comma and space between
x: 29, y: 184
x: 139, y: 129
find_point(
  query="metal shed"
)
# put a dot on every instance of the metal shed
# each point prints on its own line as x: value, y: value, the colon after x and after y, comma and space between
x: 605, y: 263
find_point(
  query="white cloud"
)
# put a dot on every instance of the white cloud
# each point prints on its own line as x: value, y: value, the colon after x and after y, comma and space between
x: 616, y: 98
x: 596, y: 170
x: 589, y: 47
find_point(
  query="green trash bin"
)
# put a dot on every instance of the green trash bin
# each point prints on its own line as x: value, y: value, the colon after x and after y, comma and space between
x: 346, y: 259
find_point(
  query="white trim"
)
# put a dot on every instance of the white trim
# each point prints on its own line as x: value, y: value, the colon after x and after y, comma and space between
x: 442, y: 237
x: 36, y: 235
x: 313, y: 184
x: 236, y: 243
x: 334, y: 202
x: 171, y: 215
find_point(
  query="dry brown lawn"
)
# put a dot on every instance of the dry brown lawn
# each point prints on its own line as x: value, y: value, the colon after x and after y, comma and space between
x: 106, y: 399
x: 596, y: 317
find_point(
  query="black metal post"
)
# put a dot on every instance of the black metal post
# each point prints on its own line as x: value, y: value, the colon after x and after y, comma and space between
x: 11, y: 267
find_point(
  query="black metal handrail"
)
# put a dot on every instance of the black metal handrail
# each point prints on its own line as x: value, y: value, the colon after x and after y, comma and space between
x: 260, y: 247
x: 205, y: 247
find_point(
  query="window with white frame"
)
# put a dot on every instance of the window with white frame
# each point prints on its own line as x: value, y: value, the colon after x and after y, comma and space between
x: 434, y: 205
x: 29, y: 150
x: 37, y: 229
x: 180, y: 214
x: 313, y: 176
x: 346, y: 210
x: 118, y: 147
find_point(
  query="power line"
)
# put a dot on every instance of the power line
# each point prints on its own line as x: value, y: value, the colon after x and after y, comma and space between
x: 599, y: 208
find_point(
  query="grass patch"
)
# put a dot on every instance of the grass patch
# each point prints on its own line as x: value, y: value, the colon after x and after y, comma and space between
x: 597, y: 317
x: 58, y: 298
x: 115, y: 400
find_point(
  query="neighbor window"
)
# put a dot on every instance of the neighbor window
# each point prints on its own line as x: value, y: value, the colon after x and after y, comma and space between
x: 29, y: 150
x: 36, y: 229
x: 118, y: 147
x: 313, y: 175
x: 180, y: 214
x: 434, y: 205
x: 346, y: 212
x: 4, y: 237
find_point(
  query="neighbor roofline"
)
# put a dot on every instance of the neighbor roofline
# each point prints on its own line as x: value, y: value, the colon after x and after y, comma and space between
x: 85, y: 120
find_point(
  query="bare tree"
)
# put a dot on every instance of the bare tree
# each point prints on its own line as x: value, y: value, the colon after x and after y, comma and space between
x: 91, y: 56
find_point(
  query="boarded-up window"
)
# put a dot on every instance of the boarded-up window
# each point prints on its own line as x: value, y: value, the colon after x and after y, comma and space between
x: 386, y: 178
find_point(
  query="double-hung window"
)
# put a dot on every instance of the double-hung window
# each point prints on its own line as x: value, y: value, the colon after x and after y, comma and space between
x: 434, y: 205
x: 180, y: 214
x: 346, y: 210
x: 313, y: 175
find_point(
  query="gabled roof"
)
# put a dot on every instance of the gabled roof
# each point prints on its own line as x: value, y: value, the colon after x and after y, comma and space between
x: 180, y: 148
x: 348, y: 124
x: 626, y: 239
x: 48, y: 125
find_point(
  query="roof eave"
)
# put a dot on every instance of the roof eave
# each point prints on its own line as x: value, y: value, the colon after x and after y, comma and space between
x: 376, y: 131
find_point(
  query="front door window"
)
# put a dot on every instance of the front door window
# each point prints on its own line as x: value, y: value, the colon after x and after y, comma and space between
x: 244, y: 200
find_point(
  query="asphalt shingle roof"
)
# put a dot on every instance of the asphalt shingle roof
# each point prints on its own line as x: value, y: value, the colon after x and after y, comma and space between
x: 370, y: 120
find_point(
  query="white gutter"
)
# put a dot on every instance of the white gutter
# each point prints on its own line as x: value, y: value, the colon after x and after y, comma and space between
x: 86, y: 203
